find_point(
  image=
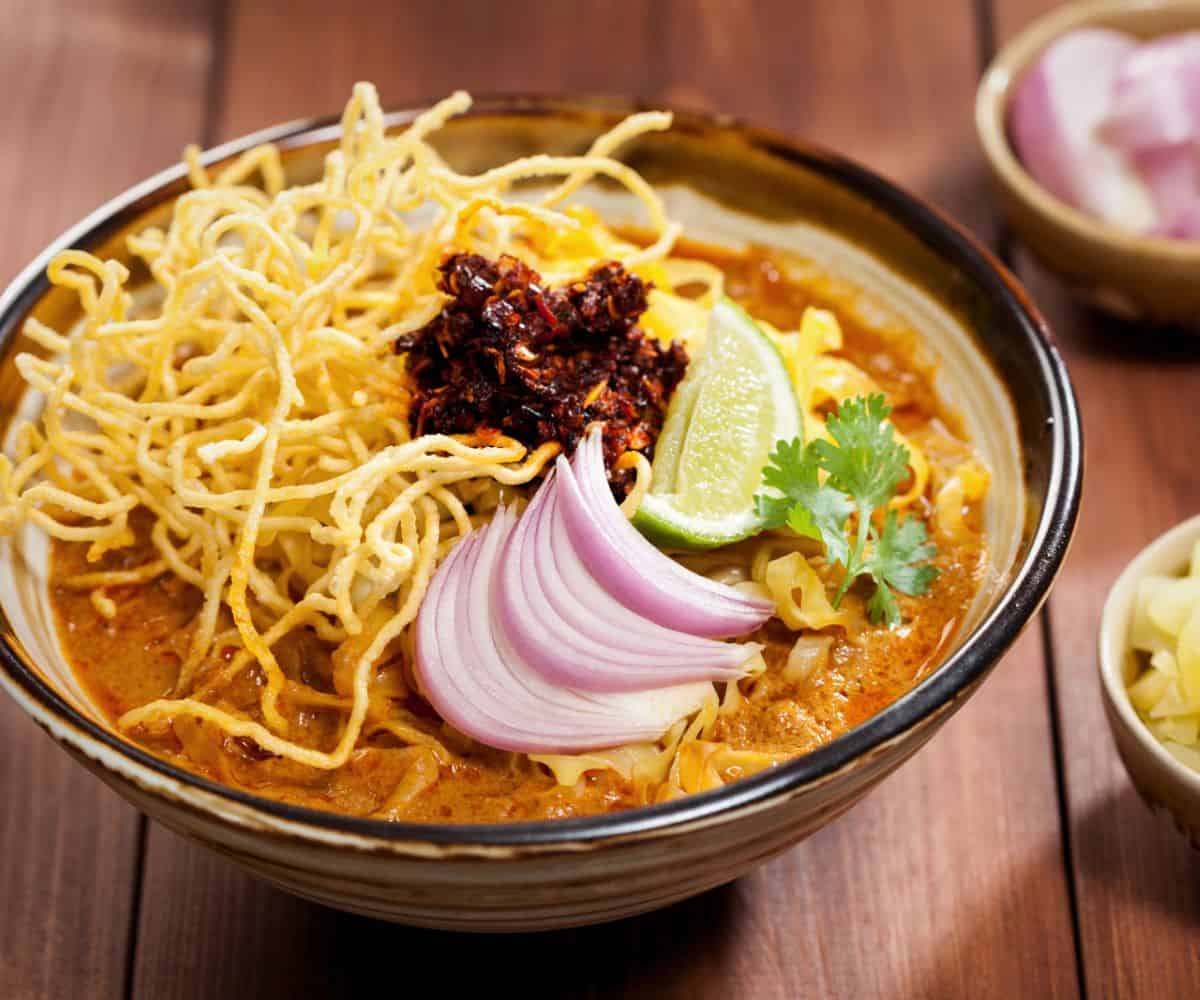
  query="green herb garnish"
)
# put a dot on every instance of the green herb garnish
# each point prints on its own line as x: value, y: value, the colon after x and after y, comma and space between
x: 864, y: 464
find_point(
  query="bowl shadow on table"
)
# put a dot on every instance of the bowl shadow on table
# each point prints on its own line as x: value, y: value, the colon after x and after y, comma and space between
x: 284, y: 946
x: 1103, y: 336
x: 657, y: 952
x: 799, y: 926
x: 1120, y: 340
x: 1165, y: 875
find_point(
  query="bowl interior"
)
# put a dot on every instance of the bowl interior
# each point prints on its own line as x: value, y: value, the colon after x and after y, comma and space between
x: 897, y: 266
x: 1167, y: 555
x: 1143, y: 20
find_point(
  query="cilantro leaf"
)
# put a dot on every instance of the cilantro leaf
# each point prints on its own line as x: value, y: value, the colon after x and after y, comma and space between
x: 864, y: 465
x: 808, y: 506
x: 867, y: 461
x: 864, y: 460
x: 902, y: 554
x: 882, y: 607
x: 783, y: 466
x: 899, y: 561
x: 772, y: 511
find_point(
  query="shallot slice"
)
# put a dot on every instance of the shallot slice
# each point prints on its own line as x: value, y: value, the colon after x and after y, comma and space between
x: 1055, y: 125
x: 637, y: 574
x: 1186, y: 223
x: 561, y: 621
x: 1172, y: 174
x: 1155, y: 119
x: 1156, y: 95
x: 478, y: 684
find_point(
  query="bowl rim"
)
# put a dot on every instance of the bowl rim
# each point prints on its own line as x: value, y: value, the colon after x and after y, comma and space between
x: 955, y: 677
x: 991, y: 109
x: 1175, y: 546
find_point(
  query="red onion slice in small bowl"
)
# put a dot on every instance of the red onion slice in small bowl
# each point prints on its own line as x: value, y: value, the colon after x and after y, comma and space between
x: 1055, y: 119
x: 1155, y: 98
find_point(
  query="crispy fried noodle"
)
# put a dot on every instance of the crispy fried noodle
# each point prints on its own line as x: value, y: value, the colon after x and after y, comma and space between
x: 225, y: 412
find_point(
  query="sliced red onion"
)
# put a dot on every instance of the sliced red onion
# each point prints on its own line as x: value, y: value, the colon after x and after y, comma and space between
x: 561, y: 621
x: 1156, y: 95
x: 1173, y: 178
x: 478, y: 683
x: 632, y: 570
x: 1054, y: 121
x: 1155, y: 119
x: 1186, y: 223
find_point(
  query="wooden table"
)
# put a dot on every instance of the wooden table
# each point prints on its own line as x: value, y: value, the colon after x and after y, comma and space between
x: 1009, y: 859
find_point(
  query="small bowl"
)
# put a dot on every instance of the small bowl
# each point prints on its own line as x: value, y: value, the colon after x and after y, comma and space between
x: 727, y: 184
x: 1170, y: 788
x: 1130, y: 276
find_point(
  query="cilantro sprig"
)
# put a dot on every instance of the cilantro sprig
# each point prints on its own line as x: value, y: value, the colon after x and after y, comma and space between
x: 863, y: 465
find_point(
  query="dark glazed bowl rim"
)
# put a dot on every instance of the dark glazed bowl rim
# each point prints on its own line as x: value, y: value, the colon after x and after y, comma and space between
x: 968, y: 664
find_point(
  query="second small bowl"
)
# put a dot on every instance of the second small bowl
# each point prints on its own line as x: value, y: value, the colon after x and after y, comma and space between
x: 1171, y: 788
x: 1131, y: 276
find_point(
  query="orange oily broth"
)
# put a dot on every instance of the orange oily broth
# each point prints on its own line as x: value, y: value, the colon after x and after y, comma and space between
x: 135, y: 657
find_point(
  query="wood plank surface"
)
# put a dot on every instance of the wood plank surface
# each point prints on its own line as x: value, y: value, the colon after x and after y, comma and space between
x: 800, y: 70
x: 1137, y: 883
x: 947, y: 881
x: 95, y: 97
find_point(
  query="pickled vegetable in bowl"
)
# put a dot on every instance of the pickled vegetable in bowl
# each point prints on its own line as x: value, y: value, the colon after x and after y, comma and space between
x: 1165, y: 639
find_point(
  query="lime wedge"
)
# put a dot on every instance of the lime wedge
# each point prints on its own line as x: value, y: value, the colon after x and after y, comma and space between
x: 735, y: 402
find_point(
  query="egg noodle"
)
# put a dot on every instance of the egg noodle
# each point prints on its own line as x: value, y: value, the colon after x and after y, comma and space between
x: 250, y: 410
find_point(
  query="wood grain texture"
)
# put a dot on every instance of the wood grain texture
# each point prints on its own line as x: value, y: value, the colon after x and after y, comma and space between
x: 948, y: 881
x: 94, y: 99
x: 855, y: 77
x: 1138, y: 884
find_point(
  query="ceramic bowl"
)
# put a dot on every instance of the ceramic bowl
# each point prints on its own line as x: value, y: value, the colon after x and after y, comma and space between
x: 897, y: 263
x: 1133, y: 277
x: 1169, y: 787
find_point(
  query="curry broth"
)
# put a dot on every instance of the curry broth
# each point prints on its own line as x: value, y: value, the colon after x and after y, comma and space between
x: 134, y: 658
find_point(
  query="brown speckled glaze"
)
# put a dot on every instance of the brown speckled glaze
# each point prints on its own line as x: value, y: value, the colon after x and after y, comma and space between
x: 999, y: 367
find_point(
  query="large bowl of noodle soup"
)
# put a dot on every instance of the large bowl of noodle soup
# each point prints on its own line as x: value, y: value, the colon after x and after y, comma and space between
x: 883, y: 257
